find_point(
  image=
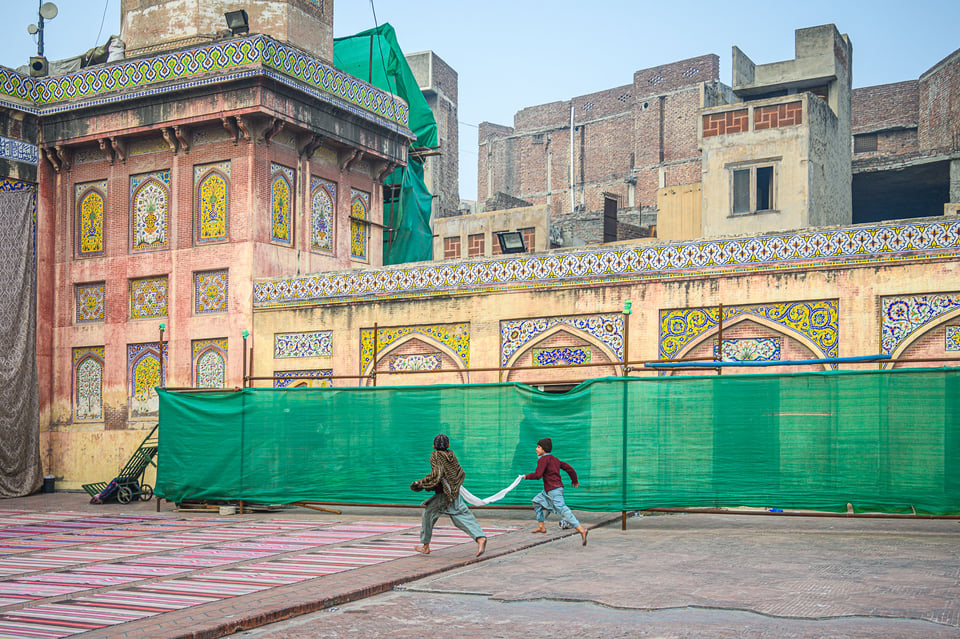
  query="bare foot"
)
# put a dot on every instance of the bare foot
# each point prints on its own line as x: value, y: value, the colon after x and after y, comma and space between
x: 481, y: 545
x: 539, y: 529
x: 583, y: 534
x: 425, y: 549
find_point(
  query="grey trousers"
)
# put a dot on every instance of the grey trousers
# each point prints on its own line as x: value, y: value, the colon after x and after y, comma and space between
x: 458, y: 512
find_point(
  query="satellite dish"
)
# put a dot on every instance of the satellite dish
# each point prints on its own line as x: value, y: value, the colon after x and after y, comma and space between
x: 32, y: 29
x: 48, y: 10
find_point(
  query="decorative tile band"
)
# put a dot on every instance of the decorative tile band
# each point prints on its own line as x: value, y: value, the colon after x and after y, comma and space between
x: 561, y: 356
x: 749, y: 349
x: 515, y: 334
x: 903, y: 315
x: 455, y: 336
x: 817, y: 321
x: 313, y: 344
x: 315, y: 378
x: 19, y: 151
x: 859, y: 244
x: 191, y: 63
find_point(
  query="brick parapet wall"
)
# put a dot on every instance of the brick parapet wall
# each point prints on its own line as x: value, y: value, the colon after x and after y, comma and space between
x: 669, y: 77
x: 939, y: 88
x: 885, y: 106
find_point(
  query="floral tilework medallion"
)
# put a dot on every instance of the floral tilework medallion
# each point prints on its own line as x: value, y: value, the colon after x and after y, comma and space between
x: 89, y: 299
x: 281, y: 204
x: 148, y: 297
x: 952, y: 342
x: 88, y: 383
x: 359, y: 209
x: 149, y: 195
x: 323, y: 195
x: 417, y: 362
x: 312, y: 344
x: 210, y: 291
x: 90, y: 202
x: 210, y: 363
x: 212, y: 185
x: 561, y: 356
x: 749, y: 349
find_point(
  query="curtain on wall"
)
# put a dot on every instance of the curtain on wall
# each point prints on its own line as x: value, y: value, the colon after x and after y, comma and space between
x: 20, y: 469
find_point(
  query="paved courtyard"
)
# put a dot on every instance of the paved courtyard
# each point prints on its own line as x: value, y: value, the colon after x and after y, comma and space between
x: 70, y: 569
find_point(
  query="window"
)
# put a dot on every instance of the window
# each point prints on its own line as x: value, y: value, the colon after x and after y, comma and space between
x: 866, y: 143
x: 753, y: 189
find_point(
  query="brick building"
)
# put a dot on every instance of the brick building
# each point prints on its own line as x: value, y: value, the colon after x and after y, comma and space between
x: 632, y: 142
x: 166, y: 183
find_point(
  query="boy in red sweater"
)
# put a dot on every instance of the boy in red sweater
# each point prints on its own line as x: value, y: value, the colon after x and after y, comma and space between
x: 550, y: 499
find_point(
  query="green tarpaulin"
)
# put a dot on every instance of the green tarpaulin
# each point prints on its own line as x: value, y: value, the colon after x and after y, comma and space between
x: 881, y: 440
x: 375, y: 56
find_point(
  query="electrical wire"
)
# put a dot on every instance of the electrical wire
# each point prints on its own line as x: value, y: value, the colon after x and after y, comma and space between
x: 103, y: 19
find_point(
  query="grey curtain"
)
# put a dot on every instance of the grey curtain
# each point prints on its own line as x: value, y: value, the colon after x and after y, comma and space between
x: 20, y: 469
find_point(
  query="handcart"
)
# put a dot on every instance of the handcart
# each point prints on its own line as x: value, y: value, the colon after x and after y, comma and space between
x: 128, y: 484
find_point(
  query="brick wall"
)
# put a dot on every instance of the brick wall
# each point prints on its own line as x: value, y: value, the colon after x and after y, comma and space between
x: 885, y: 106
x: 940, y: 105
x: 634, y: 132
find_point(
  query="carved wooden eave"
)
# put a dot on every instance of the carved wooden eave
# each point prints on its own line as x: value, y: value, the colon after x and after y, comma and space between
x: 385, y: 169
x: 184, y: 137
x: 230, y: 124
x: 51, y: 156
x: 107, y: 150
x: 308, y: 149
x: 170, y: 138
x: 243, y: 124
x: 65, y: 155
x: 346, y: 159
x: 119, y: 145
x: 275, y: 127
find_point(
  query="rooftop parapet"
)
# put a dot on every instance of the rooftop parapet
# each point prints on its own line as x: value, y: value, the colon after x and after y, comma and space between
x: 221, y: 61
x: 822, y: 56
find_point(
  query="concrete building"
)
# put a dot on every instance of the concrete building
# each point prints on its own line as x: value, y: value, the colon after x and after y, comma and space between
x: 650, y: 153
x: 441, y: 168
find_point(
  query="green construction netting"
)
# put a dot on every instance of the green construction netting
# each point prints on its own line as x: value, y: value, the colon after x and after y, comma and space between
x: 375, y: 56
x: 389, y: 72
x: 881, y: 440
x: 409, y: 215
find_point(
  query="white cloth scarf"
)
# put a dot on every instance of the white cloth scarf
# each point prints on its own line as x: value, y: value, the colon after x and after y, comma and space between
x: 476, y: 501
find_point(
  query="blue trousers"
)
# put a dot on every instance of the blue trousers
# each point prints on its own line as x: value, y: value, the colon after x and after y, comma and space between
x: 551, y: 501
x: 458, y: 512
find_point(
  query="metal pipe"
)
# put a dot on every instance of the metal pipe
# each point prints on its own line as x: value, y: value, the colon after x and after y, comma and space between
x: 244, y: 371
x: 721, y: 511
x: 375, y: 345
x: 720, y: 336
x: 160, y: 353
x: 787, y: 362
x: 573, y: 206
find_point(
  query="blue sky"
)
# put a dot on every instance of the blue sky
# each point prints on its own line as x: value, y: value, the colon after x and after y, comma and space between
x: 510, y: 55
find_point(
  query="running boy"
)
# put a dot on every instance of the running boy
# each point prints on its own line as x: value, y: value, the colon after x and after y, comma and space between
x: 445, y: 479
x: 550, y: 499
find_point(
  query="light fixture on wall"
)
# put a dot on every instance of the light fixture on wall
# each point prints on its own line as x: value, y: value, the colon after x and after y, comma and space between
x: 237, y: 21
x: 511, y: 242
